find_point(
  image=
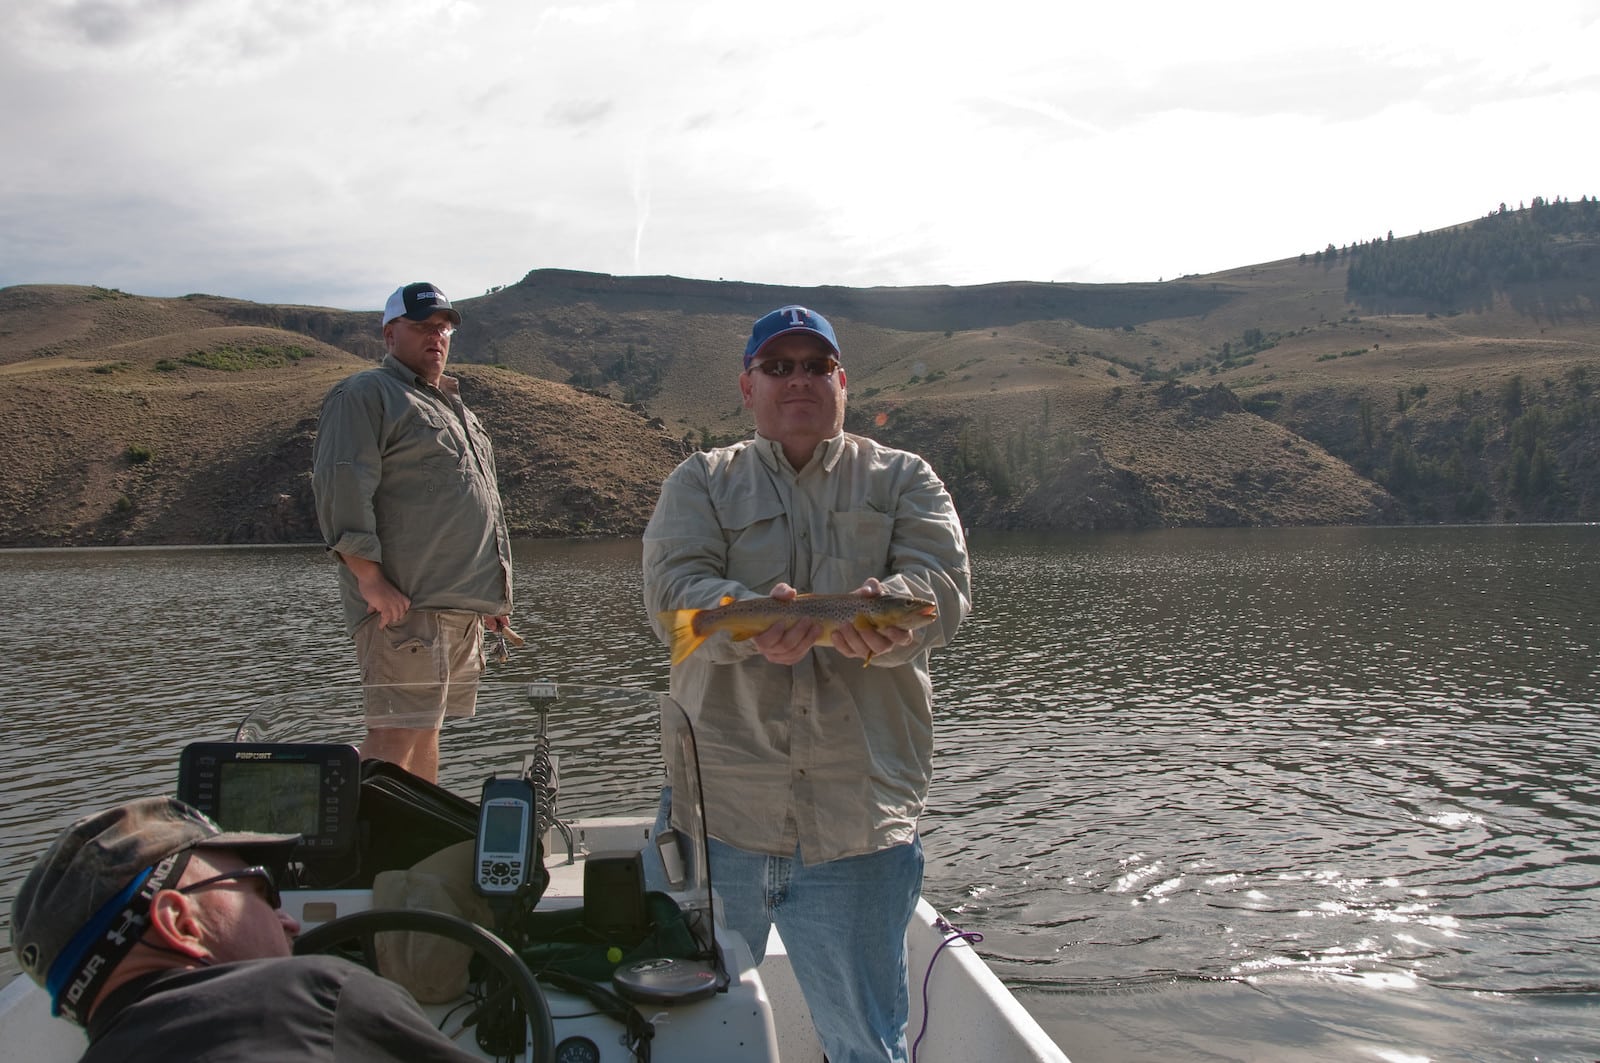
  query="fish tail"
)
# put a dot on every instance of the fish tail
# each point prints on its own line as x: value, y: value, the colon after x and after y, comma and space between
x: 685, y: 639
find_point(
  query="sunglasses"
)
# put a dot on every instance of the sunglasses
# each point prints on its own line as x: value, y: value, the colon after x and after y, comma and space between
x: 782, y: 367
x: 269, y: 885
x: 430, y: 328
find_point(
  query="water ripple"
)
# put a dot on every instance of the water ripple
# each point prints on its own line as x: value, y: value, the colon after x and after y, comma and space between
x: 1321, y: 793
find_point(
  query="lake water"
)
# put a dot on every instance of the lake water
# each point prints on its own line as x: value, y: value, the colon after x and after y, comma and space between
x: 1285, y: 794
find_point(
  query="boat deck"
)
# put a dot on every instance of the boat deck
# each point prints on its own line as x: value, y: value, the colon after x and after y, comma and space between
x: 762, y: 1017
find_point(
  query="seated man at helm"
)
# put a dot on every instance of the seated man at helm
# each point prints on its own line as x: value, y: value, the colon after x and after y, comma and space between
x: 165, y: 938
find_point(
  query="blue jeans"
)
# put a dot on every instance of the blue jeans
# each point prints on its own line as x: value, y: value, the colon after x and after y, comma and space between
x: 843, y: 922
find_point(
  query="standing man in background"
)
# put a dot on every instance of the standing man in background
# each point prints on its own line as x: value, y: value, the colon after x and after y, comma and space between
x: 815, y: 757
x: 406, y: 495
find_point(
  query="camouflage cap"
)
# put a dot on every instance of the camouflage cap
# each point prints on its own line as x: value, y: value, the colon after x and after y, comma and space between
x: 83, y: 905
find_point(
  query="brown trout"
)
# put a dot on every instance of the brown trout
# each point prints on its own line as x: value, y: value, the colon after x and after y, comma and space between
x: 748, y: 617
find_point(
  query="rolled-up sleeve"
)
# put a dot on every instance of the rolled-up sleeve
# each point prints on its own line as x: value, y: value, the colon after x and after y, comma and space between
x: 347, y: 467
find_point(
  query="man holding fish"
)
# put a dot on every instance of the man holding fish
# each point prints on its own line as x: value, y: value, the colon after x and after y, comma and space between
x: 803, y: 577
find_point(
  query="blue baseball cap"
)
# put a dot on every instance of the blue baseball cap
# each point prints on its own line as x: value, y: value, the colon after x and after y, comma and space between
x: 783, y: 321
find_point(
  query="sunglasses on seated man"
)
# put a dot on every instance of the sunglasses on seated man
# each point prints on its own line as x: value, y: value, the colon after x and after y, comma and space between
x: 782, y: 367
x: 269, y: 885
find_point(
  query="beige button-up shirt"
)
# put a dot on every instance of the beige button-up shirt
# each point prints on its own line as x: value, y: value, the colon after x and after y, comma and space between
x: 404, y: 475
x: 826, y: 754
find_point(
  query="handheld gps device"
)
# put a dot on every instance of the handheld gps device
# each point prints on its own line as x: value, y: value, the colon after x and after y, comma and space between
x: 277, y: 788
x: 502, y: 856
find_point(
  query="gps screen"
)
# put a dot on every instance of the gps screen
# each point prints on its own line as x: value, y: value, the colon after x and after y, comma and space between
x: 502, y: 829
x: 271, y: 797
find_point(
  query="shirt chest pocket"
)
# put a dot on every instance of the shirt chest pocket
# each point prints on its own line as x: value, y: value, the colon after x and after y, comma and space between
x: 756, y: 530
x: 858, y: 548
x: 437, y: 440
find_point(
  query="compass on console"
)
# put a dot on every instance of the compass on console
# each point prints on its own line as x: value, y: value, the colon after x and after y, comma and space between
x: 577, y: 1050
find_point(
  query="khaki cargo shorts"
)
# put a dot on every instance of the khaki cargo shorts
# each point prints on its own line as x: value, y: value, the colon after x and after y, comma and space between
x: 421, y: 670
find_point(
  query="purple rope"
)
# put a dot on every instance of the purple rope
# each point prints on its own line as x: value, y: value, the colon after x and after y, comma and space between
x: 955, y: 934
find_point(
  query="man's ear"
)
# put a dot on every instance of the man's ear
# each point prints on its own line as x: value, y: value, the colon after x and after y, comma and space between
x: 842, y: 384
x: 176, y: 925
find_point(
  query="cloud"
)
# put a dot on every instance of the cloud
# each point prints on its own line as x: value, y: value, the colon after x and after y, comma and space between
x: 580, y: 114
x: 209, y: 42
x: 334, y: 145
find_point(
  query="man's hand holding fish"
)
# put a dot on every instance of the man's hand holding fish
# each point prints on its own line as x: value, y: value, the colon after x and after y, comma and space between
x: 786, y: 625
x: 790, y: 639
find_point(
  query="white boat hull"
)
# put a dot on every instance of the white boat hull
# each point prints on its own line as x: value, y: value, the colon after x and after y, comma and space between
x: 970, y: 1013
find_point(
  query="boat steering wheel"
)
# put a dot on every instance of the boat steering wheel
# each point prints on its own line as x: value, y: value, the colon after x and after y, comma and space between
x: 363, y: 927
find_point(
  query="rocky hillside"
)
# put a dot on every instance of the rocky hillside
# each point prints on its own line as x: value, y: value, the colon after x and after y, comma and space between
x: 1271, y: 394
x: 161, y: 421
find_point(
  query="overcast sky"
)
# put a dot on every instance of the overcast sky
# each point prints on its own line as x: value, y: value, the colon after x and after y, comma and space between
x: 325, y: 151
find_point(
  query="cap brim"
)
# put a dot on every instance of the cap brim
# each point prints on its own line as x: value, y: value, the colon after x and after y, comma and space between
x: 455, y: 316
x: 249, y: 840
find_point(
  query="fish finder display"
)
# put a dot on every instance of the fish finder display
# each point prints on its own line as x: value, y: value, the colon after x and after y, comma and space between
x: 271, y: 798
x: 307, y: 789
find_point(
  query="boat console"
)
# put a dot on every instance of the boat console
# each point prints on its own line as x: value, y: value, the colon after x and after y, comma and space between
x: 616, y: 964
